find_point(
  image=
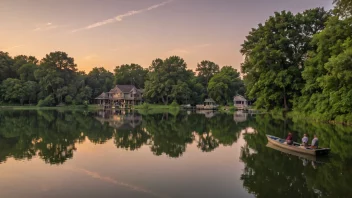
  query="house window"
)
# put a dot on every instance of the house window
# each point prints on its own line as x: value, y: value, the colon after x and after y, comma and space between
x: 131, y: 95
x: 238, y: 102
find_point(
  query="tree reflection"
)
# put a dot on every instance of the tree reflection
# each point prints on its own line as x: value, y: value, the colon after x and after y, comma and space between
x: 54, y: 135
x: 51, y: 135
x: 169, y: 134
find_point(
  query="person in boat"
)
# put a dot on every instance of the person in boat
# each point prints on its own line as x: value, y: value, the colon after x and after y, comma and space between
x: 315, y: 142
x: 305, y: 140
x: 289, y: 139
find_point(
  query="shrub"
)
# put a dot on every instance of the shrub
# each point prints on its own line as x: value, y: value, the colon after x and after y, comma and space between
x: 68, y: 99
x: 85, y: 104
x: 174, y: 104
x: 47, y: 102
x: 145, y: 106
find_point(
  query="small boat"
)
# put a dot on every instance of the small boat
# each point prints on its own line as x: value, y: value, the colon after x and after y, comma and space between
x: 296, y: 147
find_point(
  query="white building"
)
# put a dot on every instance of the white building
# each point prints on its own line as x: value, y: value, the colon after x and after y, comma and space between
x: 240, y: 102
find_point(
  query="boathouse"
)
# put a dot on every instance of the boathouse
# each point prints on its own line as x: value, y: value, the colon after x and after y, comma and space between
x: 240, y: 102
x: 208, y: 104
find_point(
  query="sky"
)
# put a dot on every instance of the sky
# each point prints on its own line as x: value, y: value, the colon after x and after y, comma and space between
x: 108, y: 33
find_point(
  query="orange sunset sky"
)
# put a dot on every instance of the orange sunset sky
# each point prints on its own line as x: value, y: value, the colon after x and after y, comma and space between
x: 108, y: 33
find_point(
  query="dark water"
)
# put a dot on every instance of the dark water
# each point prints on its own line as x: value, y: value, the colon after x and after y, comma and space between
x: 97, y: 154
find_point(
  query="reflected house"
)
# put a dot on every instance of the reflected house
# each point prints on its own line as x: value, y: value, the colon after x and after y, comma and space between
x: 240, y: 102
x: 207, y: 113
x: 119, y: 120
x: 239, y: 116
x: 121, y: 96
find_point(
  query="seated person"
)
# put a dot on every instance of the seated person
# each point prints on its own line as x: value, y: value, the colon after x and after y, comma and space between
x: 315, y: 142
x: 289, y: 139
x: 305, y: 140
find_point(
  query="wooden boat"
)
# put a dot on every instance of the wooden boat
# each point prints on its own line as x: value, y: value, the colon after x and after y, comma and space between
x: 296, y: 147
x: 297, y: 154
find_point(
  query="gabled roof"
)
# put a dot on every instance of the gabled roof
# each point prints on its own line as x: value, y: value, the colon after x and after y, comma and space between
x: 209, y: 100
x: 239, y: 97
x: 123, y: 88
x: 102, y: 96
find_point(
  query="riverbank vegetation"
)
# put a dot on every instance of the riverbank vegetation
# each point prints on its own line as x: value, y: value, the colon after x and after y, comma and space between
x: 302, y: 62
x: 56, y: 81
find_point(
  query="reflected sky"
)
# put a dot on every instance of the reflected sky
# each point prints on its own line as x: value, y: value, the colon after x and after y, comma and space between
x: 103, y: 170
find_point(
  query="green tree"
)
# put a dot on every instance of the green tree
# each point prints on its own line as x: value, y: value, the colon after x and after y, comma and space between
x: 6, y: 63
x: 168, y: 80
x: 206, y: 70
x: 275, y: 53
x: 224, y: 85
x: 15, y: 90
x: 57, y: 76
x: 100, y: 80
x: 328, y: 73
x: 20, y: 61
x: 343, y: 7
x: 26, y: 72
x: 132, y: 74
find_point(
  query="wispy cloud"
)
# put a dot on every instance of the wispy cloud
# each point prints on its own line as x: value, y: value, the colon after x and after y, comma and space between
x: 202, y: 45
x: 11, y: 48
x: 46, y: 26
x: 179, y: 51
x: 122, y: 16
x: 187, y: 50
x: 90, y: 57
x: 110, y: 180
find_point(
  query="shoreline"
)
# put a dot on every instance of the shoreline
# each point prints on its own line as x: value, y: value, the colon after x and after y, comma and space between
x: 68, y: 107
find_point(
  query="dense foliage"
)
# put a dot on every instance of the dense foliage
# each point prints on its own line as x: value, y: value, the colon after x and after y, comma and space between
x: 275, y: 54
x: 132, y: 74
x: 302, y: 62
x: 225, y: 84
x: 55, y: 80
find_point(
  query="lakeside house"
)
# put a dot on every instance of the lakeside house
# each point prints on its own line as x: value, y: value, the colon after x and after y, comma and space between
x: 240, y: 102
x: 209, y: 104
x: 121, y: 96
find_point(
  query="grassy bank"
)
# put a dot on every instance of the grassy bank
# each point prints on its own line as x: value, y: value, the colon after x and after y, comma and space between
x: 227, y: 109
x: 153, y: 106
x: 157, y: 108
x: 67, y: 107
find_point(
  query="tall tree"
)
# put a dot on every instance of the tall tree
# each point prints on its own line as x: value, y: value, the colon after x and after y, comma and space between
x: 225, y: 85
x: 206, y: 69
x: 100, y: 80
x: 166, y: 80
x: 328, y: 73
x: 26, y: 72
x: 275, y: 54
x: 132, y: 74
x: 6, y: 63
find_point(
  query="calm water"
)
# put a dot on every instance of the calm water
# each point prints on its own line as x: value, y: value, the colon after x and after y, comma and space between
x: 104, y: 154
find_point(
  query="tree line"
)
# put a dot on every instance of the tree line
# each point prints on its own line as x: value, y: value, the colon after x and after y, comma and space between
x: 302, y: 62
x: 55, y: 80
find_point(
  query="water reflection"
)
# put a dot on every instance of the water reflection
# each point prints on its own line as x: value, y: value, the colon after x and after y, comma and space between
x: 54, y: 136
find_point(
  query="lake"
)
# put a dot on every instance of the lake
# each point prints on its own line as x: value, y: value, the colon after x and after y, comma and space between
x: 56, y: 154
